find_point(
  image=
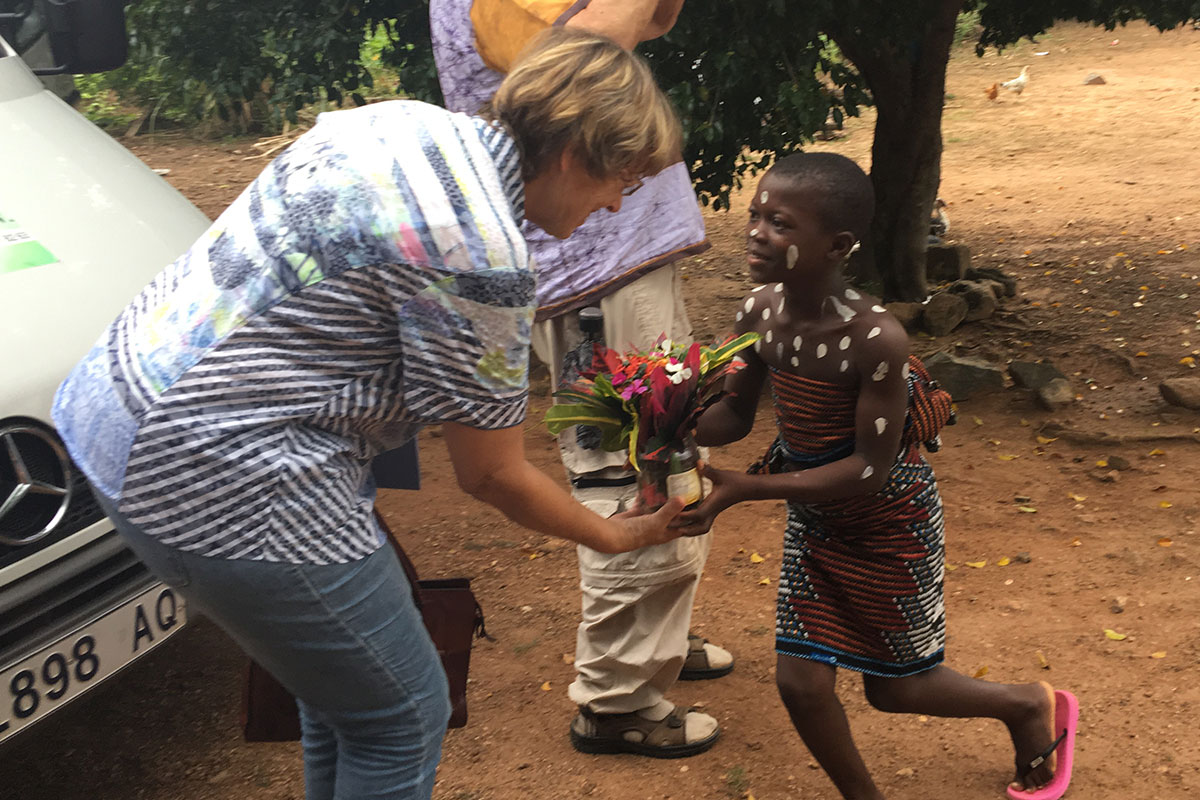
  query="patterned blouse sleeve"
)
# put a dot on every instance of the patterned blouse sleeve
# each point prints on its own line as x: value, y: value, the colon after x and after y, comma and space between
x: 465, y: 340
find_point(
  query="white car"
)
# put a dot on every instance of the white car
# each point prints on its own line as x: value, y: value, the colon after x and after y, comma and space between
x: 84, y: 225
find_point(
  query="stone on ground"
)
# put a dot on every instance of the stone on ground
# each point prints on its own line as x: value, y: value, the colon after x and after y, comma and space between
x: 981, y: 299
x: 1056, y: 394
x: 908, y: 314
x: 1033, y: 375
x: 963, y: 377
x: 943, y: 313
x: 1183, y: 392
x: 947, y: 262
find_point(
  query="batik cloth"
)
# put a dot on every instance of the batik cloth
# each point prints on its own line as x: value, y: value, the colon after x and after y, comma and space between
x: 371, y: 280
x: 861, y: 581
x: 657, y: 226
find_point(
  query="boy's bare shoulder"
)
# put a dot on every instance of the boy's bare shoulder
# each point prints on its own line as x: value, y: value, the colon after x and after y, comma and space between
x: 751, y: 306
x: 880, y: 331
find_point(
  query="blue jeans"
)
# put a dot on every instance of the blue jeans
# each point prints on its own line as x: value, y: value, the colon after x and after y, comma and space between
x: 347, y: 641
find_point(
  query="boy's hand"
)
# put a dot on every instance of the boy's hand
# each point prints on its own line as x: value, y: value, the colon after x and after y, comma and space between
x: 725, y: 492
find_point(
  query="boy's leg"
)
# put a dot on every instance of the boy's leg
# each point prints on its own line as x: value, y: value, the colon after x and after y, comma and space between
x: 1026, y: 709
x: 808, y: 692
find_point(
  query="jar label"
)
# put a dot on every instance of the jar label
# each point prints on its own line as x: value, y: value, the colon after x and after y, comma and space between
x: 685, y: 485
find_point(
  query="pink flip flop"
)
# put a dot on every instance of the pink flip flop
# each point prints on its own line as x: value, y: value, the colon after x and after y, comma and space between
x: 1066, y: 720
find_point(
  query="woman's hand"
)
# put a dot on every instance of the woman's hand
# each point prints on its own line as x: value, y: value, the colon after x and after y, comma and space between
x: 635, y: 529
x: 726, y: 491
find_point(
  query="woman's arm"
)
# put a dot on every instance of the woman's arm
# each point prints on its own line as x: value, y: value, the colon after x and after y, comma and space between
x: 490, y: 465
x: 628, y: 22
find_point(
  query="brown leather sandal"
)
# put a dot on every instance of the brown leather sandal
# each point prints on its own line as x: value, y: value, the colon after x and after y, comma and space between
x: 662, y: 739
x: 696, y: 666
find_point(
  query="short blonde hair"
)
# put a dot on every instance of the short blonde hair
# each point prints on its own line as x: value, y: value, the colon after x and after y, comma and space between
x: 571, y: 89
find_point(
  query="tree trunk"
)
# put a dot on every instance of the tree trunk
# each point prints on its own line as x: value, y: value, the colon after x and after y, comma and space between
x: 908, y: 83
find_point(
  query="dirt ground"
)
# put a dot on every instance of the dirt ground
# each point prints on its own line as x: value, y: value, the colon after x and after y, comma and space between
x: 1090, y: 196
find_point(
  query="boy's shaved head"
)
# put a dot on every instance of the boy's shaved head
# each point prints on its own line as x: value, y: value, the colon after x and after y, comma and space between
x: 847, y: 197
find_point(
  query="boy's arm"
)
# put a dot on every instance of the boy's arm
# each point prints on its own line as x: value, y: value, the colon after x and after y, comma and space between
x: 879, y: 422
x: 732, y: 417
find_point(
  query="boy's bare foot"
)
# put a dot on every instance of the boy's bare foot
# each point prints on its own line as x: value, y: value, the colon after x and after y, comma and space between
x: 1031, y: 735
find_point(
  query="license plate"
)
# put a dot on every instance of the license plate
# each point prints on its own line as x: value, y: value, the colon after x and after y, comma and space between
x: 41, y: 683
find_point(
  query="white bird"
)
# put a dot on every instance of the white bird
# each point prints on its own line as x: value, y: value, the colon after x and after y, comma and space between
x: 1018, y: 83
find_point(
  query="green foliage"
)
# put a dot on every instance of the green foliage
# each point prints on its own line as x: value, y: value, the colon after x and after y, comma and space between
x: 1006, y: 22
x: 100, y: 104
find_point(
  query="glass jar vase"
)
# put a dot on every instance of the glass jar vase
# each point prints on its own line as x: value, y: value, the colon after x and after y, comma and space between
x: 672, y: 471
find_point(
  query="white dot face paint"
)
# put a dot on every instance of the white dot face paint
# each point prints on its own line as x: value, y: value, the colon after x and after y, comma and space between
x: 844, y: 344
x: 781, y: 304
x: 904, y: 372
x: 793, y: 255
x: 766, y: 313
x: 844, y: 311
x: 740, y: 315
x: 758, y: 346
x: 749, y: 304
x: 779, y: 351
x: 778, y: 288
x: 795, y: 361
x: 873, y: 332
x: 822, y: 350
x: 770, y: 334
x: 878, y: 309
x: 845, y: 366
x: 754, y: 232
x: 758, y: 288
x: 853, y: 295
x: 797, y: 342
x: 868, y: 472
x: 762, y: 198
x: 880, y: 425
x: 880, y: 372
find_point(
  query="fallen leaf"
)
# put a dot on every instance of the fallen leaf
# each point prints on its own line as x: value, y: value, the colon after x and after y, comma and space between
x: 1164, y: 252
x: 1141, y: 354
x: 950, y: 567
x: 906, y: 772
x: 979, y: 673
x: 1027, y: 509
x: 1046, y: 439
x: 1156, y: 452
x: 977, y: 420
x: 1159, y: 654
x: 1102, y: 463
x: 1041, y: 658
x: 532, y: 556
x: 1007, y: 457
x: 1116, y: 637
x: 1164, y: 504
x: 1024, y: 423
x: 1187, y: 360
x: 1165, y: 542
x: 1004, y: 562
x: 1075, y: 542
x: 977, y: 564
x: 755, y: 558
x: 1078, y: 498
x: 994, y: 442
x: 568, y: 658
x: 546, y: 686
x: 765, y: 582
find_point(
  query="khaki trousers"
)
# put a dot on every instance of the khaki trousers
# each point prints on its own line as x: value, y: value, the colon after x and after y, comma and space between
x: 637, y: 606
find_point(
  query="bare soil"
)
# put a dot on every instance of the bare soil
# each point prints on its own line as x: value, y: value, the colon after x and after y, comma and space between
x: 1090, y: 196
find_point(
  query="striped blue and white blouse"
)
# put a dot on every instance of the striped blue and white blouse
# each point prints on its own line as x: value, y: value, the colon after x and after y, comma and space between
x: 371, y: 280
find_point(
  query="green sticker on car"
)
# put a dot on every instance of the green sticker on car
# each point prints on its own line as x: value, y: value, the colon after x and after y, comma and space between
x: 19, y: 250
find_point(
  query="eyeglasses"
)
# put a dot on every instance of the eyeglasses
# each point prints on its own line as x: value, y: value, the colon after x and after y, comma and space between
x: 629, y: 190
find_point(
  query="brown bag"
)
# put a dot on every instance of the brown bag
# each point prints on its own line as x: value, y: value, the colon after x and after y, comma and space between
x: 453, y: 618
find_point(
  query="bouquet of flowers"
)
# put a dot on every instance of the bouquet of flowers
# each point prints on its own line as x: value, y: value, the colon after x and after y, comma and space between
x: 647, y: 404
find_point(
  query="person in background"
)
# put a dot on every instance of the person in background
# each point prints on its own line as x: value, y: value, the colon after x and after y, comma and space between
x: 633, y: 642
x: 372, y: 280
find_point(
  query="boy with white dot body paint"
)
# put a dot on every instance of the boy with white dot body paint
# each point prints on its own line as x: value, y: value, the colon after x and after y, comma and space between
x: 861, y: 581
